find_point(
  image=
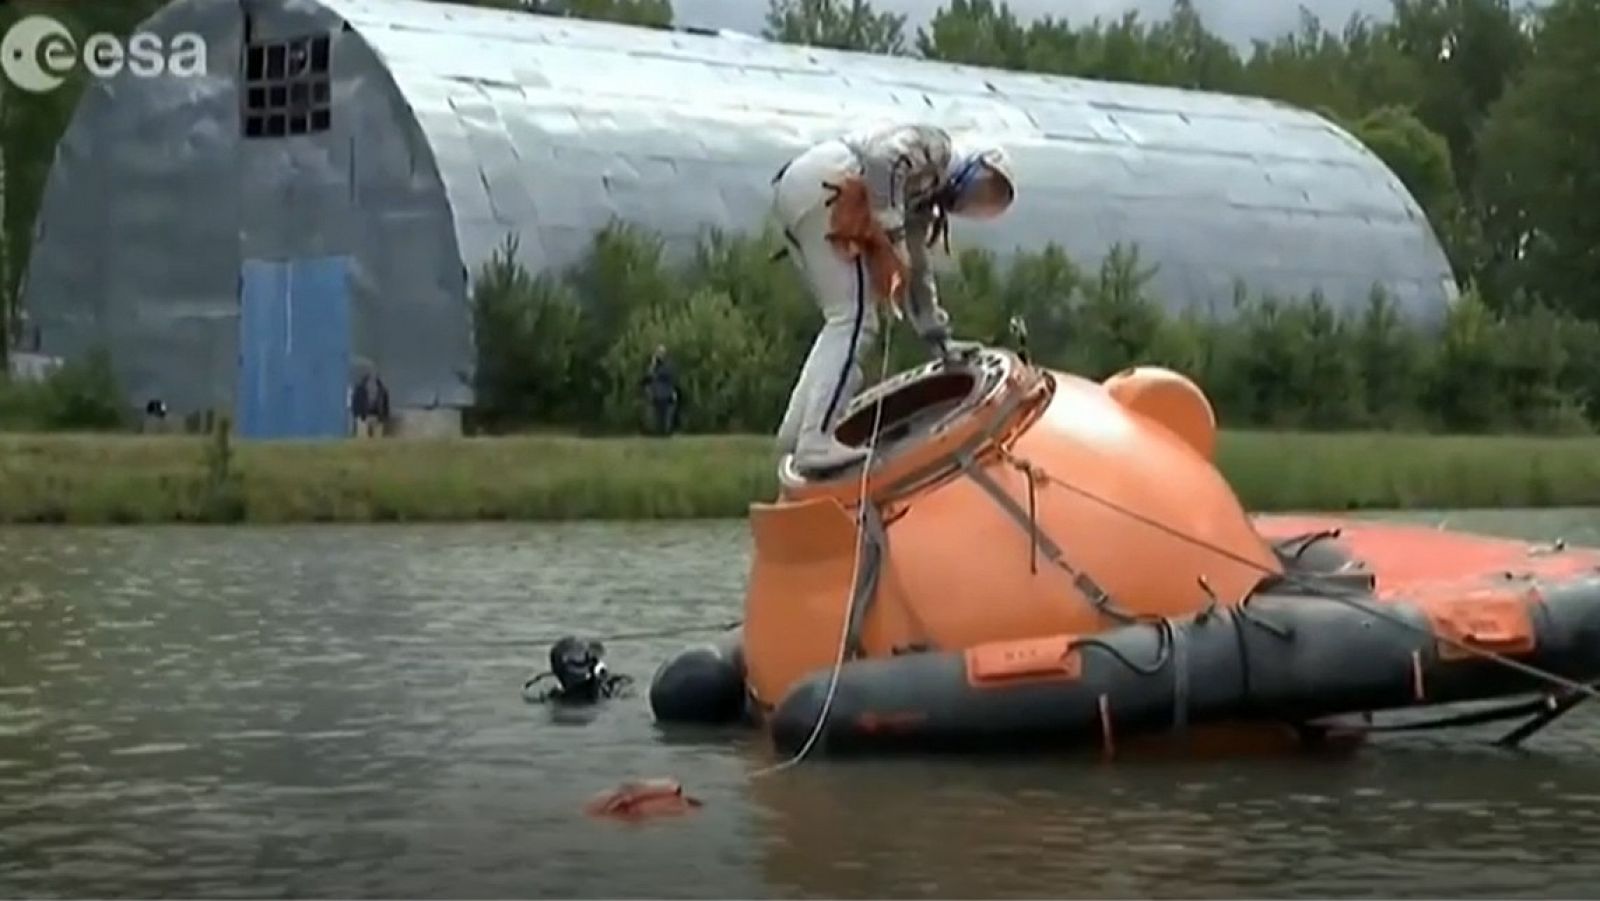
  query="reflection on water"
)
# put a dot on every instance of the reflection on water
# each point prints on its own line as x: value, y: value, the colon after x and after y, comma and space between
x: 334, y: 711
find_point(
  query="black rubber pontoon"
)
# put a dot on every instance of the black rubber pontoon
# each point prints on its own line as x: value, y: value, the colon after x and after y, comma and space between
x: 1288, y: 658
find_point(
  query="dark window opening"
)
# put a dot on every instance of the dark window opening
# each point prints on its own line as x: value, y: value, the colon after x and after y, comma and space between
x: 275, y: 58
x: 911, y: 409
x: 287, y: 87
x: 299, y: 58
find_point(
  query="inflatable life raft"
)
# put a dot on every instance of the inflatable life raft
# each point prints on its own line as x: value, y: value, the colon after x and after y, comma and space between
x: 1039, y: 560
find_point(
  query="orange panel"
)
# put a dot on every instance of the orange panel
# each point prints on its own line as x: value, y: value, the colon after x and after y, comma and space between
x: 1488, y: 620
x: 1036, y: 659
x: 800, y: 585
x: 1408, y: 558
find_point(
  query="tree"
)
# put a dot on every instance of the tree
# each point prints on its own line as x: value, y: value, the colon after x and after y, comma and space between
x: 1465, y: 53
x: 1179, y: 51
x: 1313, y: 67
x: 1195, y: 58
x: 1420, y: 158
x: 1537, y: 183
x: 975, y: 32
x: 836, y: 24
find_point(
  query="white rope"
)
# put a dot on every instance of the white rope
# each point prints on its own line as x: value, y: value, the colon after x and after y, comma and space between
x: 855, y: 575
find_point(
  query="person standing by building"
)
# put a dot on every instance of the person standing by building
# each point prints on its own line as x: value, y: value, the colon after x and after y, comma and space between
x: 369, y: 405
x: 660, y: 383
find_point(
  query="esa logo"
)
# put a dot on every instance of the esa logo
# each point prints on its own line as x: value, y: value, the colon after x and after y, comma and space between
x: 38, y: 53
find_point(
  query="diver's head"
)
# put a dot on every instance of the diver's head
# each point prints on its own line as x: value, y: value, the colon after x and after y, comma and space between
x: 578, y: 666
x: 979, y: 184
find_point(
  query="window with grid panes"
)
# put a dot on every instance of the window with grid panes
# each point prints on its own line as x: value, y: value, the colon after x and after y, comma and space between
x: 287, y: 88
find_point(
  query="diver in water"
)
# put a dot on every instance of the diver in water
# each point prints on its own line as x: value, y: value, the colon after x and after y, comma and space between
x: 581, y: 675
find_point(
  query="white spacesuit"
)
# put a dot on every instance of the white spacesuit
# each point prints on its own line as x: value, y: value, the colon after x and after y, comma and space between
x: 914, y: 176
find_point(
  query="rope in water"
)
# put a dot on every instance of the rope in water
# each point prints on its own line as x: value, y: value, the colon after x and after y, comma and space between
x: 855, y: 574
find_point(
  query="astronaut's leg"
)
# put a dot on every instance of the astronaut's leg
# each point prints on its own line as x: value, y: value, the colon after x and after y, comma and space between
x: 832, y: 374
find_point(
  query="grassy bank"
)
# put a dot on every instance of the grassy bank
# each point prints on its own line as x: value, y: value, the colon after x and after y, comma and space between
x: 128, y: 479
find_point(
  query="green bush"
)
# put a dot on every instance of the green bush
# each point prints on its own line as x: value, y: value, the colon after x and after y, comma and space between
x: 725, y: 375
x: 81, y: 395
x: 528, y: 332
x: 569, y: 349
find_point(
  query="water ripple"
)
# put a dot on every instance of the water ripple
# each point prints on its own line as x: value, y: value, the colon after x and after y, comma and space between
x: 335, y: 712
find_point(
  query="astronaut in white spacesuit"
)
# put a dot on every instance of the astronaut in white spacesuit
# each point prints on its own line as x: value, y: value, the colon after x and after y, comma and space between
x: 914, y: 176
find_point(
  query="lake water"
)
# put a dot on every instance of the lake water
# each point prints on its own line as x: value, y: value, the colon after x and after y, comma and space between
x: 335, y: 712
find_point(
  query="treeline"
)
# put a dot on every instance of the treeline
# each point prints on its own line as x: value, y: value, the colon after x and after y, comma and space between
x: 569, y: 350
x: 1483, y: 109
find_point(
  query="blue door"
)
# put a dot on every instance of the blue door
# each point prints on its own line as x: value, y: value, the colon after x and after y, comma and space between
x: 294, y: 348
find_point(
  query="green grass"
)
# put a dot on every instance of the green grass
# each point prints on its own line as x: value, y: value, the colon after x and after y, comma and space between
x: 53, y: 478
x: 1277, y: 471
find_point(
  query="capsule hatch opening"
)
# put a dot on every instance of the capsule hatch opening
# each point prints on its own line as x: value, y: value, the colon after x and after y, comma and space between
x: 910, y: 410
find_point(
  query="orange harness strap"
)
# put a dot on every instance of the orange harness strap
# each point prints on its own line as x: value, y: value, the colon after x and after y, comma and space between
x: 854, y: 232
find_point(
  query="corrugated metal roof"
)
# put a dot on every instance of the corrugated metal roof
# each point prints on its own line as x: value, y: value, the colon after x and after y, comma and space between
x: 554, y: 125
x: 467, y: 123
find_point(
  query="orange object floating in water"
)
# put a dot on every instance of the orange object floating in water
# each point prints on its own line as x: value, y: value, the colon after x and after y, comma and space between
x: 641, y: 799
